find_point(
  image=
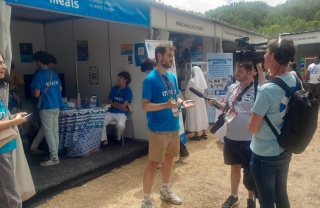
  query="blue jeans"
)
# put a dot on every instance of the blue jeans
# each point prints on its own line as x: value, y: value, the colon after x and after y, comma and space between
x: 270, y: 176
x: 49, y: 121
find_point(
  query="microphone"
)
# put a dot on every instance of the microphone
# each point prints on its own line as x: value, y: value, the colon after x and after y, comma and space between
x: 199, y: 94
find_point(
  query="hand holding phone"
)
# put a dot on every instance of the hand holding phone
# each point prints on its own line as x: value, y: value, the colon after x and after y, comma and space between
x: 27, y: 115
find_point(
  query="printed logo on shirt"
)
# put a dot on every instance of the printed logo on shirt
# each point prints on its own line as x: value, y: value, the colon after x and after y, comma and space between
x: 119, y: 99
x: 165, y: 93
x: 54, y: 82
x: 248, y: 97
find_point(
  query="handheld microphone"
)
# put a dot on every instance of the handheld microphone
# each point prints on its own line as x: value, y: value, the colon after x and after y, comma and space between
x: 199, y: 94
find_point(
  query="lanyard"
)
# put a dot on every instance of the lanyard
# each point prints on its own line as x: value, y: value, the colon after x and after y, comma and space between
x: 234, y: 100
x: 167, y: 87
x: 238, y: 96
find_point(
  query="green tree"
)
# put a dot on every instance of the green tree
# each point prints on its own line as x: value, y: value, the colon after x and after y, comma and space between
x: 317, y: 16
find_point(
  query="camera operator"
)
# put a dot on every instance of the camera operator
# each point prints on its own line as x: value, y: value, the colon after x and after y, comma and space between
x: 237, y: 141
x: 270, y: 162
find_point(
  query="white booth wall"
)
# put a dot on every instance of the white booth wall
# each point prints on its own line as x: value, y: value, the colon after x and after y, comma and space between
x: 129, y: 34
x: 60, y: 39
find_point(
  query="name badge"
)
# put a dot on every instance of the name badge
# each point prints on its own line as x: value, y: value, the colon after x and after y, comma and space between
x: 230, y: 115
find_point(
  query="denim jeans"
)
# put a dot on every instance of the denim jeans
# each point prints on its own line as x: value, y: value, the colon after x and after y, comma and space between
x: 270, y: 176
x: 49, y: 121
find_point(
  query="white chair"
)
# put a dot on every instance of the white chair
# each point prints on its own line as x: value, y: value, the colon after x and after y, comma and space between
x: 129, y: 119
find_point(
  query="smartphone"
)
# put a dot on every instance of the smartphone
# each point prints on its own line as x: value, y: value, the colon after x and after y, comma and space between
x: 27, y: 115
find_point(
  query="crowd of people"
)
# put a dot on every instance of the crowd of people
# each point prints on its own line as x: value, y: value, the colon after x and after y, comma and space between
x: 249, y: 143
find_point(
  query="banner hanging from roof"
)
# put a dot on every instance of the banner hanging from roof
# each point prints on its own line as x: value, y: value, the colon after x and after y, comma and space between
x: 135, y: 12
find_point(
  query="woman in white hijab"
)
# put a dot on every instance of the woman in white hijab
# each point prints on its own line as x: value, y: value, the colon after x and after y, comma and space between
x: 197, y: 118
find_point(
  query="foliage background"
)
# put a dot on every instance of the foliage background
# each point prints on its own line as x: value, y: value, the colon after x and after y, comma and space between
x: 290, y: 17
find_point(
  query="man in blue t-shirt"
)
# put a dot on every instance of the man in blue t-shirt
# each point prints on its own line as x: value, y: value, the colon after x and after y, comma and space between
x: 269, y: 162
x: 120, y: 98
x: 47, y: 86
x: 161, y: 102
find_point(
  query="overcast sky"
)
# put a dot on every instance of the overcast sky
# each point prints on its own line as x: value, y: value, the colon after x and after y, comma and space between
x: 205, y: 5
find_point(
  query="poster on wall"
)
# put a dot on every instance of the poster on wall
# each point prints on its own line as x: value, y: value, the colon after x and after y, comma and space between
x: 127, y: 53
x: 140, y: 53
x: 196, y: 54
x: 151, y: 46
x: 26, y: 52
x: 82, y: 50
x: 93, y: 75
x: 220, y: 77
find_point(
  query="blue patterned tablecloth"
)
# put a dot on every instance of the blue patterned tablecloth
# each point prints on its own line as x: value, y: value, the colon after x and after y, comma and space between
x: 80, y: 130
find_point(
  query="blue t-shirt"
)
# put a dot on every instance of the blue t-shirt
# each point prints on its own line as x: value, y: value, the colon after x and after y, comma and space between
x: 120, y: 96
x: 12, y: 144
x: 155, y: 90
x: 272, y: 101
x: 52, y: 98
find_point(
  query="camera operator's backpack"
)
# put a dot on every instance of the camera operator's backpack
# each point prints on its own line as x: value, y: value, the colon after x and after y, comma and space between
x: 301, y: 120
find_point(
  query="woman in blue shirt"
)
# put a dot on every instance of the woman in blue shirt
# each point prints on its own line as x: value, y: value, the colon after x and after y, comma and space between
x: 9, y: 196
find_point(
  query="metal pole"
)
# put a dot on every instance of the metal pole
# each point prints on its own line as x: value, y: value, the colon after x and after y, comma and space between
x: 109, y: 51
x: 75, y: 55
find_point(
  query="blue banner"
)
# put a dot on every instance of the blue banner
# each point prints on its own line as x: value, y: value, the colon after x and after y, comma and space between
x: 135, y: 12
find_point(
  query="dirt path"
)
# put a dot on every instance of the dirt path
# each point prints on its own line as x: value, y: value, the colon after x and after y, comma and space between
x: 202, y: 181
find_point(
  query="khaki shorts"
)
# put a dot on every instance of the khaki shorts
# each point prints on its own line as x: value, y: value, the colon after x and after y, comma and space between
x: 163, y: 144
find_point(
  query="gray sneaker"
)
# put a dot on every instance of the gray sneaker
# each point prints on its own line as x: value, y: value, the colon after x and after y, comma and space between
x: 167, y: 195
x: 230, y: 202
x: 49, y: 162
x: 146, y: 204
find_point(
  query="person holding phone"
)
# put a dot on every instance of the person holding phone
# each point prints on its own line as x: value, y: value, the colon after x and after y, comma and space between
x: 9, y: 196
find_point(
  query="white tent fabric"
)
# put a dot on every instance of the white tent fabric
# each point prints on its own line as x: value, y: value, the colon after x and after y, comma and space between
x: 25, y: 186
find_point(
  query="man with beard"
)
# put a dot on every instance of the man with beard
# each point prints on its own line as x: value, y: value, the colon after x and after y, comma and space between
x: 161, y: 102
x: 239, y: 100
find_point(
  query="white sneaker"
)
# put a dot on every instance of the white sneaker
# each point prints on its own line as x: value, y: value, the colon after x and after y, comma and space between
x: 167, y: 195
x: 49, y: 162
x: 146, y: 204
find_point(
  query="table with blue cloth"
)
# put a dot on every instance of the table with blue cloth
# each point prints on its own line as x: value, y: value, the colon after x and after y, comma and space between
x: 80, y: 130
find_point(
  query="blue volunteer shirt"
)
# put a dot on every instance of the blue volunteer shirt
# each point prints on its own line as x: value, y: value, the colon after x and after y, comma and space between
x: 52, y: 98
x: 155, y: 90
x: 12, y: 144
x: 272, y: 101
x: 120, y: 96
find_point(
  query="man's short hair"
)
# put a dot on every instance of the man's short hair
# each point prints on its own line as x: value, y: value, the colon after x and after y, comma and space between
x: 282, y: 49
x: 246, y: 65
x: 162, y: 49
x: 148, y: 64
x: 52, y: 59
x: 293, y: 65
x: 125, y: 75
x: 42, y: 57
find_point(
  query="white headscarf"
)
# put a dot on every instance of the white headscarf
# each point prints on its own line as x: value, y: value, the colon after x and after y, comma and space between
x: 199, y: 80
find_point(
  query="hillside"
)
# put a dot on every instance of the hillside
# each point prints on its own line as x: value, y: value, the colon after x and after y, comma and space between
x: 292, y: 16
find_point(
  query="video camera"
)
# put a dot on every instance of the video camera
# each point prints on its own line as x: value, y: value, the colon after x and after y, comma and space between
x: 248, y: 52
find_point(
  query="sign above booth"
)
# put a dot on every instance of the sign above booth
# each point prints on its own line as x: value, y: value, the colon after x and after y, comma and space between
x: 304, y: 38
x: 126, y: 11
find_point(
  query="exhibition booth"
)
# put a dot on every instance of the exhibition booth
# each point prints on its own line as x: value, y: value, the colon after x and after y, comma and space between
x: 96, y: 40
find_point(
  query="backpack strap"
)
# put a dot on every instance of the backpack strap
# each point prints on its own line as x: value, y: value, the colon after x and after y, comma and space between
x: 287, y: 89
